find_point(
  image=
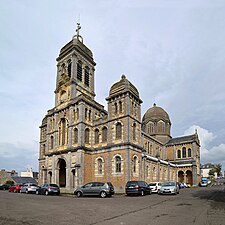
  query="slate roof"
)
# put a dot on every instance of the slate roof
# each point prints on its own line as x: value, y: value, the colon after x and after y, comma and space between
x: 23, y: 180
x: 180, y: 140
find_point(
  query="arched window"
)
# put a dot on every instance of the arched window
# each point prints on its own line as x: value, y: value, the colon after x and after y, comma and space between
x: 116, y: 109
x: 43, y: 149
x: 89, y: 115
x: 75, y: 136
x: 118, y: 164
x: 77, y: 114
x: 63, y: 68
x: 151, y: 150
x: 147, y: 171
x: 104, y: 134
x: 151, y: 127
x: 79, y: 70
x: 51, y: 142
x: 120, y: 107
x: 96, y: 136
x: 87, y: 131
x: 134, y: 131
x: 189, y: 152
x: 69, y: 68
x: 118, y: 131
x: 63, y: 131
x: 86, y: 76
x: 161, y: 126
x: 100, y: 165
x: 178, y: 154
x: 183, y: 152
x: 86, y: 113
x: 135, y: 164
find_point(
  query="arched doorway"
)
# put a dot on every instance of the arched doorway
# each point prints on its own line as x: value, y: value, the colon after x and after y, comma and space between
x: 189, y: 177
x: 180, y: 176
x: 62, y: 172
x: 50, y: 176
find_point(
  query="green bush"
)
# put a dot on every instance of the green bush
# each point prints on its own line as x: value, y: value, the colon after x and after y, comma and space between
x: 10, y: 182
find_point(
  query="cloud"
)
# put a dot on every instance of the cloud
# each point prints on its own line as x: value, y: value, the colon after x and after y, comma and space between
x: 214, y: 154
x: 18, y: 156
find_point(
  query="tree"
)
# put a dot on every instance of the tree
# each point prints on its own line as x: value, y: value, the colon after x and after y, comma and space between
x: 212, y: 172
x: 217, y: 168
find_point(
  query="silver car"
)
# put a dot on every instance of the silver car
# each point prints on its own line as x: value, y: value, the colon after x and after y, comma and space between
x: 102, y: 189
x: 169, y: 187
x: 29, y: 188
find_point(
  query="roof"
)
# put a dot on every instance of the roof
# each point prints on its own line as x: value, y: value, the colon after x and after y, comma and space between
x: 155, y: 113
x: 23, y: 180
x: 184, y: 139
x: 123, y: 86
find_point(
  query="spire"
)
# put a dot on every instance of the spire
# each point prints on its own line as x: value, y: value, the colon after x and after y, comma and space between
x: 78, y: 36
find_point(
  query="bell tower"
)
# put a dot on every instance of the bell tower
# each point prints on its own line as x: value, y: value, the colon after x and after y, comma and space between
x: 75, y: 71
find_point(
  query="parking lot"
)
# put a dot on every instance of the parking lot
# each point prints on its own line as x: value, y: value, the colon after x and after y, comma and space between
x: 192, y: 206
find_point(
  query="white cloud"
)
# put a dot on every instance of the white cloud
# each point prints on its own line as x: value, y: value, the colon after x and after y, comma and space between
x: 214, y: 154
x: 19, y: 156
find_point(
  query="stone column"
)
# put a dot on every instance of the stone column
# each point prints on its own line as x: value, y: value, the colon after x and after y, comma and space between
x: 127, y: 164
x: 185, y: 177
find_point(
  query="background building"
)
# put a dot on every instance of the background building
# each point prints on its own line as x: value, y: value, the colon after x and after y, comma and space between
x: 7, y: 175
x: 82, y: 142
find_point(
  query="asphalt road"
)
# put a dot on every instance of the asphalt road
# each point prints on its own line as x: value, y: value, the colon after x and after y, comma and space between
x: 200, y: 206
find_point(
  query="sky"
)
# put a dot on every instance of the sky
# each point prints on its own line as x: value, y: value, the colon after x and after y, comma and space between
x: 173, y: 51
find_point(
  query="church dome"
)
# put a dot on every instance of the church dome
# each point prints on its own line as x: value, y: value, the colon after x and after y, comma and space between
x: 122, y: 86
x: 155, y: 113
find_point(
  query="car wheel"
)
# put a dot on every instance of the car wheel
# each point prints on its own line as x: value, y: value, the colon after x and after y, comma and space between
x: 79, y: 194
x: 150, y: 192
x: 103, y: 194
x: 37, y: 193
x: 46, y: 192
x: 27, y: 192
x: 142, y: 193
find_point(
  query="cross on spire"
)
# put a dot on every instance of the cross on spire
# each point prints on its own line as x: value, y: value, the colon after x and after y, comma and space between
x: 78, y: 36
x: 78, y: 28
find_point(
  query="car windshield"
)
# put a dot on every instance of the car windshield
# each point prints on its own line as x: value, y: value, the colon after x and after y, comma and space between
x: 131, y: 184
x: 166, y: 184
x: 53, y: 185
x: 152, y: 184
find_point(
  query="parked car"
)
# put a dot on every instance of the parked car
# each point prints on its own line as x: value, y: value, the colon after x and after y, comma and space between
x: 102, y: 189
x: 203, y: 183
x: 155, y: 186
x: 12, y: 188
x: 48, y: 189
x: 169, y: 187
x: 4, y: 186
x: 18, y: 187
x: 15, y: 188
x: 29, y: 188
x: 137, y: 187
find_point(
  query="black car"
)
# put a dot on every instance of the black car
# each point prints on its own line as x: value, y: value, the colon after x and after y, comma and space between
x: 4, y: 186
x: 137, y: 187
x: 102, y: 189
x: 48, y: 189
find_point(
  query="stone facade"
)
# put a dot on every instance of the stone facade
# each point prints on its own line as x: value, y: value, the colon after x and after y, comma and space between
x: 81, y: 142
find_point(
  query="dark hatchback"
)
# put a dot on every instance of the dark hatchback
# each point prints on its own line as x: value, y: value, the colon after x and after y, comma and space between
x: 101, y: 189
x: 4, y: 186
x: 138, y: 188
x: 48, y: 189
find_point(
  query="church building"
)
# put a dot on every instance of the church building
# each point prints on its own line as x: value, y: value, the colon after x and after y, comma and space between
x: 81, y: 142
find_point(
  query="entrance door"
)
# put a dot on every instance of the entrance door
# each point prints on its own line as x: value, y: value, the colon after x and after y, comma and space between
x: 181, y: 176
x: 62, y: 173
